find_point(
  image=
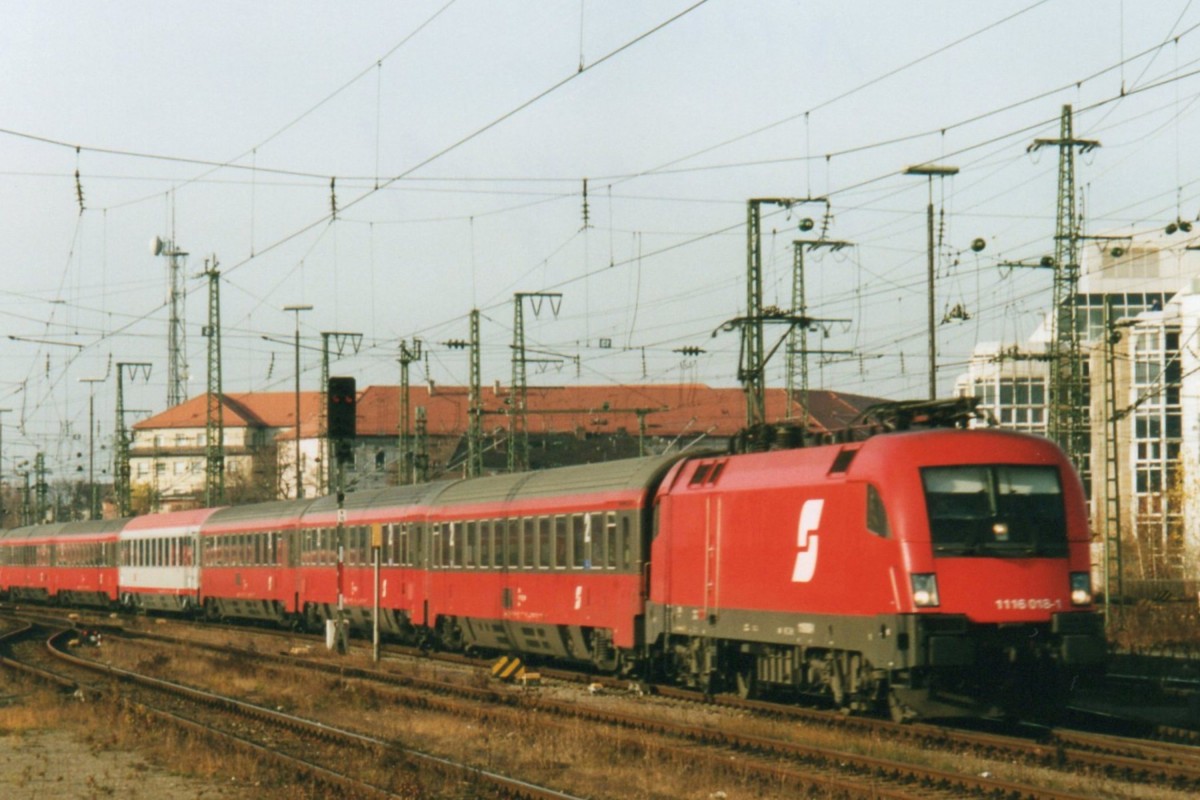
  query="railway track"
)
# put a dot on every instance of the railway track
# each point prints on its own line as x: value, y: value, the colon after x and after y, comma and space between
x: 1060, y: 751
x: 800, y: 762
x: 322, y: 755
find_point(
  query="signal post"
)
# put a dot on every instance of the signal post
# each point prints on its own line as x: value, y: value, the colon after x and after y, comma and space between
x: 341, y: 412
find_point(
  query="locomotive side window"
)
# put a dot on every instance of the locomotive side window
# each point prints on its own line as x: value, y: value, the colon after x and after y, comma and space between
x: 877, y: 520
x: 995, y: 510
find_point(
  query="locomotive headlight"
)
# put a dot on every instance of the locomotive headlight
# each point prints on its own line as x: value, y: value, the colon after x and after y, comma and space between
x: 1081, y: 589
x: 924, y: 590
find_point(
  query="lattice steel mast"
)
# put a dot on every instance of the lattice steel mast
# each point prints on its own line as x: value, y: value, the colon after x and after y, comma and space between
x: 214, y: 416
x: 1068, y: 414
x: 176, y: 330
x: 408, y: 354
x: 121, y: 483
x: 475, y: 405
x: 518, y: 431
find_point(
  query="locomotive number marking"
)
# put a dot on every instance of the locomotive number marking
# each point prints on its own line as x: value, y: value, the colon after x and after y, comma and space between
x: 578, y: 597
x: 806, y: 544
x: 1028, y: 603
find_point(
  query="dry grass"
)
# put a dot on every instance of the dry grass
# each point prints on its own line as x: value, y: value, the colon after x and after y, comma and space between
x: 1157, y: 627
x: 106, y: 726
x: 566, y: 754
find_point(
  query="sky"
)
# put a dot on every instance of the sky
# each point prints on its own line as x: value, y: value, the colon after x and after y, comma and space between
x: 395, y: 165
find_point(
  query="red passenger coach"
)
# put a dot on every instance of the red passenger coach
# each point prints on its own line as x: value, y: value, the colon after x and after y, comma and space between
x: 66, y: 562
x: 944, y: 572
x: 248, y: 561
x: 397, y: 517
x: 546, y: 563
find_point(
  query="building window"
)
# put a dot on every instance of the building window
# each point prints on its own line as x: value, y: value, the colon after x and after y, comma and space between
x: 379, y: 461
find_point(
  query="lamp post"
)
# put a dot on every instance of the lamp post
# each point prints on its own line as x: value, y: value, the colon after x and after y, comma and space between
x: 299, y: 475
x: 930, y: 171
x: 93, y: 510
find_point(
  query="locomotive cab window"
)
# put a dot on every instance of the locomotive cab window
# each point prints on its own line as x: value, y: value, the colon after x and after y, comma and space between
x: 877, y: 519
x: 995, y: 510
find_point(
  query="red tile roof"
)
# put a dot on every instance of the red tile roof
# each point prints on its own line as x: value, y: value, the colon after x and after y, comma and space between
x: 241, y: 409
x: 669, y: 410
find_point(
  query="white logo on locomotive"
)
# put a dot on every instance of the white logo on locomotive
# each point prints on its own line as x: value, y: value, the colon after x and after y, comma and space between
x: 806, y: 541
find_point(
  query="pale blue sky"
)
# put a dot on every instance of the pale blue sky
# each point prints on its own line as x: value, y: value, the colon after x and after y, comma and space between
x: 674, y: 133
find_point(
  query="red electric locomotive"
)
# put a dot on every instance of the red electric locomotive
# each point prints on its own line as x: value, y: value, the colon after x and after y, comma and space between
x: 937, y: 572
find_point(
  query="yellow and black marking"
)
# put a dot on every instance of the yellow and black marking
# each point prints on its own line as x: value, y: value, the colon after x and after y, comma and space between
x: 507, y: 668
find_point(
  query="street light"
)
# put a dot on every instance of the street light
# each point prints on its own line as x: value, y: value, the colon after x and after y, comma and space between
x: 93, y: 510
x: 299, y: 476
x: 930, y: 171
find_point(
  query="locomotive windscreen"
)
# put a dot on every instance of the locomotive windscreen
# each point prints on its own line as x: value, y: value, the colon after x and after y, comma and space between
x: 995, y: 510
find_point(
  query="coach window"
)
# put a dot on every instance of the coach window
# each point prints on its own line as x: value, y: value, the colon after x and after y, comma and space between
x: 418, y: 545
x: 626, y: 545
x: 404, y: 558
x: 470, y: 536
x: 526, y: 529
x: 454, y: 544
x: 610, y: 540
x: 439, y: 545
x: 487, y: 532
x: 545, y: 546
x: 581, y: 536
x: 561, y: 540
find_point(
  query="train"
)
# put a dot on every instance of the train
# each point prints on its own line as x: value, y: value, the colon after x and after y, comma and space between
x: 921, y: 574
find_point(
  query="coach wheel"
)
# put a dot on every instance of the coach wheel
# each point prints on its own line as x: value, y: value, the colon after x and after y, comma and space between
x: 746, y: 679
